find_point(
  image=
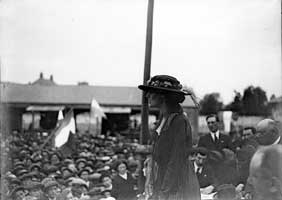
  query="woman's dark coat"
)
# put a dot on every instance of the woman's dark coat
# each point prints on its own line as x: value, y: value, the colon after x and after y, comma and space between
x: 124, y: 189
x: 173, y: 175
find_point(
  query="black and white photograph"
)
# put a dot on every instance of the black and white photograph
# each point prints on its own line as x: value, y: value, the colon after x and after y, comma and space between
x: 140, y: 100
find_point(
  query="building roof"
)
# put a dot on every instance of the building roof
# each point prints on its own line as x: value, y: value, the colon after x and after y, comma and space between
x: 14, y: 93
x: 43, y: 81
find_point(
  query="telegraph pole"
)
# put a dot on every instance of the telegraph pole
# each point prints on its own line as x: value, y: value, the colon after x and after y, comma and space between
x: 144, y: 134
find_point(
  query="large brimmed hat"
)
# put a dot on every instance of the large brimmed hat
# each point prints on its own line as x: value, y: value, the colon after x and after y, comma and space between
x: 163, y: 83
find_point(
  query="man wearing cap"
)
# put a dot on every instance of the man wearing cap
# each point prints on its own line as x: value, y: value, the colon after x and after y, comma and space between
x: 80, y: 163
x: 51, y: 190
x: 78, y: 190
x: 34, y: 190
x: 84, y: 175
x: 66, y: 172
x: 215, y: 140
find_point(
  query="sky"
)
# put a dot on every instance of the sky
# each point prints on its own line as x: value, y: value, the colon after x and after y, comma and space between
x: 210, y: 46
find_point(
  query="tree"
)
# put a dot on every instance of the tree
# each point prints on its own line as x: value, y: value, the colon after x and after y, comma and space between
x: 272, y: 97
x: 236, y: 105
x: 254, y: 101
x: 211, y: 103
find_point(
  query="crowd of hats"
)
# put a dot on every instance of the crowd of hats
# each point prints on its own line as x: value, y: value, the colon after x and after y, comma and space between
x: 31, y: 168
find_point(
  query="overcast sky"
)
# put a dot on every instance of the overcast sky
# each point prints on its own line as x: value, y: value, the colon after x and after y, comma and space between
x: 211, y: 46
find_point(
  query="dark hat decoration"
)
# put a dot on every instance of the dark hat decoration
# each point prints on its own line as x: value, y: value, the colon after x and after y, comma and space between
x: 163, y: 83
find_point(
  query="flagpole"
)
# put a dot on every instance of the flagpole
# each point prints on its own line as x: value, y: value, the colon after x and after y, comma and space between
x: 144, y: 134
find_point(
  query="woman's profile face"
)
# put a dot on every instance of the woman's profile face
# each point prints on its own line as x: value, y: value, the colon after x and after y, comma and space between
x: 154, y: 99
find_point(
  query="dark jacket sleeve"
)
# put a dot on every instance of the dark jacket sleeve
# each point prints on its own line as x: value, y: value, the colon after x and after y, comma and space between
x: 201, y: 142
x: 176, y: 162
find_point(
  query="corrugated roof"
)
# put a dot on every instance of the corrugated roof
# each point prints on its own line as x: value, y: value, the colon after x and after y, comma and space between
x: 74, y: 94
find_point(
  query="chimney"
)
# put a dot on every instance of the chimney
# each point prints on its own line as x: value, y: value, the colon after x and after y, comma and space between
x: 82, y: 83
x: 51, y: 78
x: 41, y: 75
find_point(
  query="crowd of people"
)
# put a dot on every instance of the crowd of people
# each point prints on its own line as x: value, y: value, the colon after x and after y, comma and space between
x: 110, y: 167
x: 97, y: 168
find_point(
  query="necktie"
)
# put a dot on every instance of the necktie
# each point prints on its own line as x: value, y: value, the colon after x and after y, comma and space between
x: 198, y: 171
x: 215, y: 139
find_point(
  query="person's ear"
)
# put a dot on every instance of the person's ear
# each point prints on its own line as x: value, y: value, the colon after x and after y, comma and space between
x: 276, y: 185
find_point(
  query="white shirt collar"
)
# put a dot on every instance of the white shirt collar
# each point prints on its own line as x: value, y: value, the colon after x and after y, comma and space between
x: 124, y: 176
x: 277, y: 141
x: 215, y: 134
x: 158, y: 130
x: 196, y: 167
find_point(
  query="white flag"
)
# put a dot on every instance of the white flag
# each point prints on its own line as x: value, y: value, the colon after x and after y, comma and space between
x: 96, y: 110
x: 96, y: 115
x: 60, y: 115
x: 66, y: 126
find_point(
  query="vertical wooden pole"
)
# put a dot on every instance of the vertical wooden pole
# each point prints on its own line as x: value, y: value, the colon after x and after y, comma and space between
x: 33, y: 121
x: 144, y: 134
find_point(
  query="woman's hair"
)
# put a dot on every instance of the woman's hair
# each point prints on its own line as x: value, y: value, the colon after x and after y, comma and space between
x: 171, y: 98
x: 174, y: 98
x: 119, y: 162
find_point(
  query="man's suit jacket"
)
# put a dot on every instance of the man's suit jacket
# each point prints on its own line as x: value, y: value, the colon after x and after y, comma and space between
x: 206, y: 177
x: 208, y: 142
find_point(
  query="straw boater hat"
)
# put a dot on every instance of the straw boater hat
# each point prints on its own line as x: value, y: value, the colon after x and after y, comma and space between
x: 163, y: 84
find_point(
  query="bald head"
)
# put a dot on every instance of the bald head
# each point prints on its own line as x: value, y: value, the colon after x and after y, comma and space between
x: 266, y: 173
x: 267, y: 132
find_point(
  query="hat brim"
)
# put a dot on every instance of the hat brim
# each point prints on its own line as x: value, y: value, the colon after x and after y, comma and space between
x: 159, y: 89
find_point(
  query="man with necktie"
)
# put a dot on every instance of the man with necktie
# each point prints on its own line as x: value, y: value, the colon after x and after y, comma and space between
x: 214, y: 140
x: 203, y: 171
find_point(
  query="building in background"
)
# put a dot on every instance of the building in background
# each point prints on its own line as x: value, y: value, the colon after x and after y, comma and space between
x: 276, y: 108
x: 35, y: 106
